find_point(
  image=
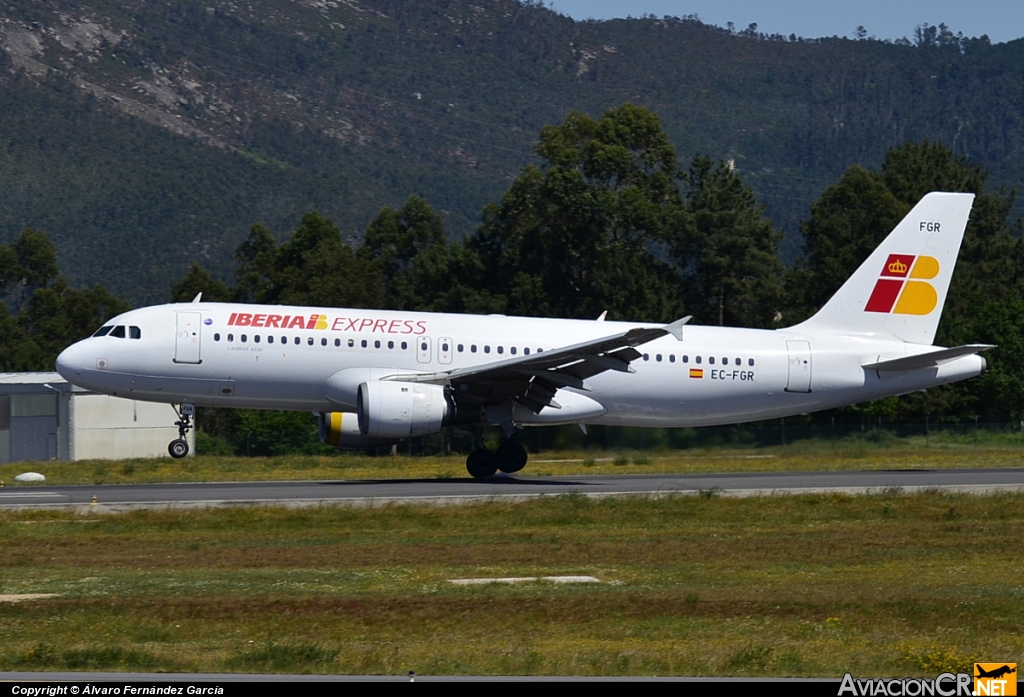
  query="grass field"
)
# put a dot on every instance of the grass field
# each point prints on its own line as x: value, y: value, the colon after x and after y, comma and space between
x: 874, y: 451
x: 811, y: 585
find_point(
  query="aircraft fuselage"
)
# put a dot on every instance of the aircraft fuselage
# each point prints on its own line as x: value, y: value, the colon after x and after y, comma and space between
x: 273, y: 357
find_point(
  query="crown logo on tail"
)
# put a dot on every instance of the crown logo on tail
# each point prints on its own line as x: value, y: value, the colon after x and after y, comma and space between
x: 894, y: 293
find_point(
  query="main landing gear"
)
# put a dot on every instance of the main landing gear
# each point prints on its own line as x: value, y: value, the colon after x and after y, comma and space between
x: 178, y: 448
x: 509, y: 457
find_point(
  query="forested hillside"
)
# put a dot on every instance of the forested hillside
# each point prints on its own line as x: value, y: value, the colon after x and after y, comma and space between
x: 144, y: 137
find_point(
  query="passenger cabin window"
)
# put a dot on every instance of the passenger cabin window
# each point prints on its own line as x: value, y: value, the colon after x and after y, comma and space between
x: 337, y: 342
x: 309, y: 341
x: 256, y: 338
x: 103, y: 331
x: 118, y: 331
x: 216, y: 337
x: 323, y: 342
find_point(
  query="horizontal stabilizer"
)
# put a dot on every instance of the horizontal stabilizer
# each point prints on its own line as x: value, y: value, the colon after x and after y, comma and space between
x: 928, y: 360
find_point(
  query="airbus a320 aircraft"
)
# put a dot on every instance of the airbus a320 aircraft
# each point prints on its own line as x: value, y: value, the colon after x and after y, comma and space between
x: 376, y: 377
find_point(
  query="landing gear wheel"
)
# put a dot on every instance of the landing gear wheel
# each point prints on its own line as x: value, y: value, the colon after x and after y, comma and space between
x: 511, y: 457
x: 178, y: 448
x: 481, y: 464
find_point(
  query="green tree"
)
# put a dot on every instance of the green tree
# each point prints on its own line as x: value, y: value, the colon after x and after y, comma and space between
x: 198, y: 280
x: 314, y: 267
x: 731, y: 247
x: 397, y: 237
x: 51, y: 314
x: 254, y: 260
x: 577, y: 235
x: 419, y: 269
x: 28, y: 264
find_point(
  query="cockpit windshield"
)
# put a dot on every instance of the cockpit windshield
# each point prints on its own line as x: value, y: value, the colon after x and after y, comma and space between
x: 119, y: 332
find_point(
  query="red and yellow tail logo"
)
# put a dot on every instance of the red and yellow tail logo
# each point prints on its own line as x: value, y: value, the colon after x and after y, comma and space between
x: 903, y: 288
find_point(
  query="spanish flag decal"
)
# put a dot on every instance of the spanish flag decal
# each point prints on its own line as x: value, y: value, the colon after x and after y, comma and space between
x: 696, y: 372
x: 903, y: 288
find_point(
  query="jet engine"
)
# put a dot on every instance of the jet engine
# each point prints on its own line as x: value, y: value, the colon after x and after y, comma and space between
x: 392, y: 410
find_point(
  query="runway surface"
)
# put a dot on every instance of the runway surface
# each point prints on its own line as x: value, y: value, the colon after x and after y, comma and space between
x: 443, y: 491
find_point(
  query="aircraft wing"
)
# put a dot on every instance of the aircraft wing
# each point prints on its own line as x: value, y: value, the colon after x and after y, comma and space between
x: 533, y: 380
x: 928, y: 360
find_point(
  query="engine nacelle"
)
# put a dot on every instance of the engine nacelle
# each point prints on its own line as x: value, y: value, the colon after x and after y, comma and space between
x: 342, y: 388
x: 391, y: 409
x: 341, y: 429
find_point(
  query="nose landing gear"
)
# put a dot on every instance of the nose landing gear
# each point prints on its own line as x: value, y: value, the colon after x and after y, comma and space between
x: 178, y: 448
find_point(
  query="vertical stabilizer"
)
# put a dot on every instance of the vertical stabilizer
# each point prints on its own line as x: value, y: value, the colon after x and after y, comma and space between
x: 901, y: 288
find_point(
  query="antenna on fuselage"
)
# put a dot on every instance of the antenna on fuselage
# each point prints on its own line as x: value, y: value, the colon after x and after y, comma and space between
x: 198, y: 297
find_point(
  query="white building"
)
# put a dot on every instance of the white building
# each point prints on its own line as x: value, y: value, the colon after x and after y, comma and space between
x: 44, y: 417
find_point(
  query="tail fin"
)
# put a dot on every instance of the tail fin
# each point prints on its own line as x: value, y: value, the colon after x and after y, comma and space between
x: 901, y: 288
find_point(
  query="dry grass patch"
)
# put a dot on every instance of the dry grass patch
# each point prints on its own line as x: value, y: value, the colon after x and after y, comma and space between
x: 794, y: 585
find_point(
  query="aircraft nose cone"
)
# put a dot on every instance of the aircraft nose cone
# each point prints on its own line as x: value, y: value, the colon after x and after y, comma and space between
x: 69, y: 362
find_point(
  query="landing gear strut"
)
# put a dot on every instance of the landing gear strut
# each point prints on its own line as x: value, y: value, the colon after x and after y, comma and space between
x: 178, y: 448
x: 510, y: 457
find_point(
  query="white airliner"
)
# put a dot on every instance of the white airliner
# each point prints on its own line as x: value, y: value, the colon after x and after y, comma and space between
x: 375, y: 376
